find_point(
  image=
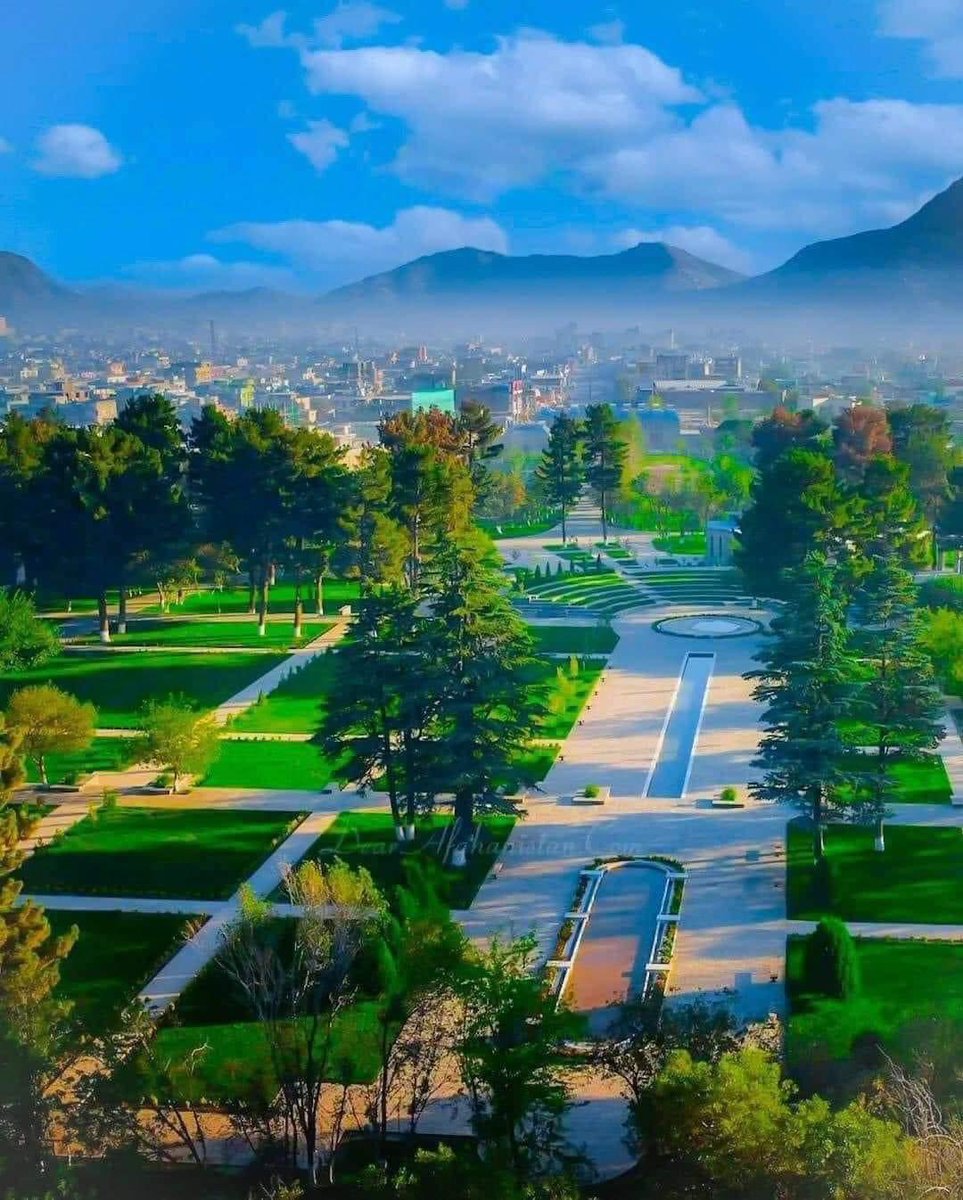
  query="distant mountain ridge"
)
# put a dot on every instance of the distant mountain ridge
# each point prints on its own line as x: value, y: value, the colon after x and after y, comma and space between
x: 485, y: 275
x: 24, y: 287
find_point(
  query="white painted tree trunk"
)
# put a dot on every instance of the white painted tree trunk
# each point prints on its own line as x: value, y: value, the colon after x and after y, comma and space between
x: 399, y: 833
x: 410, y: 832
x: 459, y: 856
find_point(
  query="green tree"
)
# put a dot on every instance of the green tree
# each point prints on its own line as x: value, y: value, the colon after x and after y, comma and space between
x: 480, y: 650
x: 379, y: 719
x: 154, y: 422
x: 605, y: 453
x: 783, y: 431
x: 560, y: 471
x: 46, y: 720
x: 177, y: 738
x: 831, y: 963
x: 805, y: 684
x: 897, y: 701
x: 373, y: 547
x: 797, y: 507
x: 860, y: 434
x: 512, y: 1033
x: 25, y: 641
x: 922, y: 440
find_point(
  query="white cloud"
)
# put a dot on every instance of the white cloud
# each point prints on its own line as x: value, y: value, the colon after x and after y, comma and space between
x: 78, y: 151
x: 479, y: 124
x: 205, y: 272
x: 338, y: 251
x: 701, y: 240
x: 349, y: 21
x: 609, y: 33
x: 937, y: 23
x: 319, y: 143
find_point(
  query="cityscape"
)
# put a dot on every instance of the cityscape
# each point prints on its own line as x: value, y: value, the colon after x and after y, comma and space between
x: 481, y: 601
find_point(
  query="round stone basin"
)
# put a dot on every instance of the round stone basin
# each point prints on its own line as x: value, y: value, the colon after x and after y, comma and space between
x: 708, y: 625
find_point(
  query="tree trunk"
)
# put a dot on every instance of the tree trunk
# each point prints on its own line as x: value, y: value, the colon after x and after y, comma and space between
x: 102, y: 618
x: 42, y: 764
x: 319, y: 591
x: 251, y: 591
x: 464, y: 826
x: 605, y: 527
x: 263, y: 602
x: 880, y: 844
x: 122, y: 609
x: 564, y: 536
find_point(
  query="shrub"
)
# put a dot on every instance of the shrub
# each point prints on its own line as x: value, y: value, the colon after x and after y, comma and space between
x: 831, y: 961
x: 592, y: 790
x: 573, y: 666
x: 729, y: 795
x: 943, y: 592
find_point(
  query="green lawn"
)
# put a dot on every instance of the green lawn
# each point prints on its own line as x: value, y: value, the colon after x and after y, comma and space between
x: 498, y: 530
x: 919, y: 781
x: 119, y: 683
x: 564, y: 694
x: 114, y: 956
x: 176, y: 632
x: 368, y: 840
x: 267, y: 764
x: 918, y: 877
x: 103, y: 754
x: 296, y: 706
x: 679, y: 543
x: 905, y: 984
x: 281, y: 599
x: 236, y: 1061
x: 202, y: 853
x: 574, y: 639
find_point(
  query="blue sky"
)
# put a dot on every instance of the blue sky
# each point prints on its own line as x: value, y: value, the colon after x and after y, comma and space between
x: 221, y: 143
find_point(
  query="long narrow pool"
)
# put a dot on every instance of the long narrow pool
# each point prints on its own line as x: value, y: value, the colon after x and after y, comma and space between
x: 671, y: 772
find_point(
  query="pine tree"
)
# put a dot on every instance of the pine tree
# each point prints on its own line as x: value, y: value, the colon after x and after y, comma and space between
x: 805, y: 684
x: 605, y: 453
x: 899, y: 700
x: 560, y: 471
x: 480, y: 652
x: 831, y: 962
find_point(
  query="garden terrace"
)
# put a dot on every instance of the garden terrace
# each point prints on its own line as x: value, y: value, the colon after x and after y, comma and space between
x: 118, y: 683
x: 691, y: 587
x: 170, y: 853
x: 603, y: 592
x: 914, y: 880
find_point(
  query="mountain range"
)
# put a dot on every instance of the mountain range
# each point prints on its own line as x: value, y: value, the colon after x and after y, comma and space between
x: 914, y: 266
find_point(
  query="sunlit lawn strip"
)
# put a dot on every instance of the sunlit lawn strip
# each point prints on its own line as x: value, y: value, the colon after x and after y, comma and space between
x: 118, y: 683
x: 280, y: 599
x: 574, y: 639
x: 202, y: 853
x: 103, y: 754
x: 297, y: 705
x: 286, y: 766
x: 156, y: 632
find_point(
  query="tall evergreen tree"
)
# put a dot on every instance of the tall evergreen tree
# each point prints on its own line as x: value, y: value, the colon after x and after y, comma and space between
x: 805, y: 684
x: 898, y: 701
x: 480, y: 651
x: 560, y: 470
x: 797, y: 507
x: 605, y: 453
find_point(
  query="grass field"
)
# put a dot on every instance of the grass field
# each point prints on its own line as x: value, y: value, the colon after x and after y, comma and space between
x: 917, y: 878
x: 892, y: 1004
x: 574, y: 639
x: 267, y: 764
x: 679, y: 543
x: 103, y: 754
x: 919, y: 781
x: 565, y: 694
x: 177, y: 632
x: 235, y: 1061
x: 202, y: 853
x: 118, y: 684
x: 114, y: 956
x: 296, y: 706
x: 499, y: 530
x: 280, y: 600
x: 368, y: 840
